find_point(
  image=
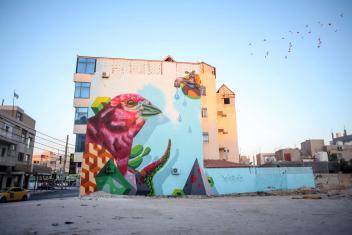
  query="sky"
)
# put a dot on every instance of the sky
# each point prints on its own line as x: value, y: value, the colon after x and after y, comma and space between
x: 280, y: 102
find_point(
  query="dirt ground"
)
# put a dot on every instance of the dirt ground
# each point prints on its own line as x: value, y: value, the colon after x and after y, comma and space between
x: 288, y: 214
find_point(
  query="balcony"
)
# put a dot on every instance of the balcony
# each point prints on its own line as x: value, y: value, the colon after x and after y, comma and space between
x: 10, y: 137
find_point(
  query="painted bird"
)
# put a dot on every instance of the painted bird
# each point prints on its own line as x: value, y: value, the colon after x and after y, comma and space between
x: 115, y: 126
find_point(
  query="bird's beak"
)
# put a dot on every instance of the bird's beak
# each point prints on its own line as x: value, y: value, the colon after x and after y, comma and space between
x: 149, y: 110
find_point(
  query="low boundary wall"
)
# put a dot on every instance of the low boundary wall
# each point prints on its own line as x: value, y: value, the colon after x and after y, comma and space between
x: 242, y: 180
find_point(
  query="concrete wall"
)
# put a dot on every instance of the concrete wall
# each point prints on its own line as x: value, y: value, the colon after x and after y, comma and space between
x: 333, y: 181
x: 240, y: 180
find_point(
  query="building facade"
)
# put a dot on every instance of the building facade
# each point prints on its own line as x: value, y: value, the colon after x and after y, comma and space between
x: 227, y: 125
x: 340, y: 139
x: 263, y: 158
x: 52, y: 160
x: 339, y: 152
x: 218, y: 110
x: 184, y: 92
x: 288, y: 154
x: 17, y: 135
x: 310, y: 147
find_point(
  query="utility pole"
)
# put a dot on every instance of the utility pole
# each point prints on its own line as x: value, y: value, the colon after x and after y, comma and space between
x: 66, y: 148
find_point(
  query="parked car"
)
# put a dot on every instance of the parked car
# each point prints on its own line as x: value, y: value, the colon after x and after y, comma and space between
x: 14, y: 194
x: 46, y: 186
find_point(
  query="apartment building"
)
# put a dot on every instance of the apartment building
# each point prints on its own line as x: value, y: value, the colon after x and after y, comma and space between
x: 219, y: 127
x: 17, y: 135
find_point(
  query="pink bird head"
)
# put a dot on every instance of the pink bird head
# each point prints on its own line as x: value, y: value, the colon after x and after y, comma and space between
x: 115, y: 126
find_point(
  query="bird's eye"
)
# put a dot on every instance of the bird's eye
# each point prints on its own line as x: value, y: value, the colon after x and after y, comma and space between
x: 131, y: 103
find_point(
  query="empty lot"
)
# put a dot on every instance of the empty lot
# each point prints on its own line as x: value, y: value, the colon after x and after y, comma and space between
x: 140, y: 215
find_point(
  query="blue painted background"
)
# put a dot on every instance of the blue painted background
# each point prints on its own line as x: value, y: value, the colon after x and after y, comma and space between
x: 185, y: 134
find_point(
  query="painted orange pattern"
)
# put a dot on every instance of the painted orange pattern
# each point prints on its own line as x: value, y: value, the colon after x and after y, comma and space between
x: 94, y: 158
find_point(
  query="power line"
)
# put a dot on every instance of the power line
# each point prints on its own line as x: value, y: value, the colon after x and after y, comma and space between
x: 25, y: 139
x: 38, y: 132
x: 52, y: 142
x: 54, y: 138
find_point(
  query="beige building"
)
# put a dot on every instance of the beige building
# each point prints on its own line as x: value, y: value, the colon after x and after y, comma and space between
x: 227, y: 124
x: 263, y: 158
x: 17, y: 134
x: 288, y: 154
x: 311, y: 147
x: 218, y: 107
x: 52, y: 160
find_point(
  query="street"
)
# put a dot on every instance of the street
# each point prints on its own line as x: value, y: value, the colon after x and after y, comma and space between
x: 143, y: 215
x: 56, y: 193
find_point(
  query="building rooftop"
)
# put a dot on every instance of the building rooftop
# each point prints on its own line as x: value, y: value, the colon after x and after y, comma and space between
x: 168, y: 58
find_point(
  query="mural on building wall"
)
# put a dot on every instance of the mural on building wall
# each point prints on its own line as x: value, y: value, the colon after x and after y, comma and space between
x: 132, y: 146
x: 110, y: 162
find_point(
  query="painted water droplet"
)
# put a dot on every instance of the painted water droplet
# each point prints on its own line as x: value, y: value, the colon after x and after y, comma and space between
x: 184, y: 103
x: 189, y: 129
x: 177, y: 96
x: 179, y: 118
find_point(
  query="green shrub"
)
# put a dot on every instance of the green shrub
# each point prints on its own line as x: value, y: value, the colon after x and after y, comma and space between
x: 211, y: 181
x: 178, y: 192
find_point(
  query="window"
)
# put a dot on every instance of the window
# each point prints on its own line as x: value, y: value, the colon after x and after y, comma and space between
x: 204, y: 112
x: 81, y: 115
x: 12, y: 147
x: 226, y: 100
x: 20, y: 157
x: 19, y: 116
x: 80, y: 140
x: 205, y: 137
x: 24, y: 136
x: 29, y: 142
x: 3, y: 152
x: 82, y: 90
x: 16, y: 190
x: 7, y: 128
x: 86, y: 65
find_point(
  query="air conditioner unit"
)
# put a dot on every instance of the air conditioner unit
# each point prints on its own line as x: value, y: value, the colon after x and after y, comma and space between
x: 175, y: 171
x: 105, y: 75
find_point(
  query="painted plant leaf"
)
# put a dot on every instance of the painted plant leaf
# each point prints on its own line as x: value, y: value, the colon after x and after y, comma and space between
x: 137, y: 161
x: 136, y: 151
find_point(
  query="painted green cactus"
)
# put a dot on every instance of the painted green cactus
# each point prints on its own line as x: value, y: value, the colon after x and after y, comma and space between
x: 137, y: 154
